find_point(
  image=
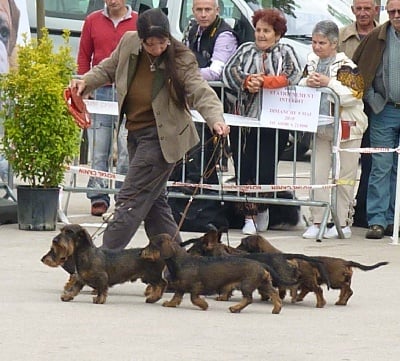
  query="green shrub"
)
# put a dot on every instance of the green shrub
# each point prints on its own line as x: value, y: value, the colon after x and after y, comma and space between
x: 40, y: 136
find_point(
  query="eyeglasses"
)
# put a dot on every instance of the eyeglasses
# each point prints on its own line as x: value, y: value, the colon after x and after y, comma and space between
x: 393, y: 12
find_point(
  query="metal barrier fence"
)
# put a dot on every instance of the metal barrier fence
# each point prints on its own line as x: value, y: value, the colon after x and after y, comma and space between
x: 224, y: 191
x: 232, y: 192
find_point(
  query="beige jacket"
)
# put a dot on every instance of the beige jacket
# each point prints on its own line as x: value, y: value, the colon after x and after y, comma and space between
x: 176, y: 129
x: 351, y: 104
x: 349, y: 39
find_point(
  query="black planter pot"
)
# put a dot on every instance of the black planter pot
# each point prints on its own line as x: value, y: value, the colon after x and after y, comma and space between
x: 37, y: 208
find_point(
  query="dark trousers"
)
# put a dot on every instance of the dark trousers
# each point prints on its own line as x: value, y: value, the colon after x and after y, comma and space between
x: 143, y: 193
x: 248, y: 153
x: 360, y: 210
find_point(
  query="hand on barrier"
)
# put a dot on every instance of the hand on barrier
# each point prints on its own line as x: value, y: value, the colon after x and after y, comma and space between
x: 77, y: 107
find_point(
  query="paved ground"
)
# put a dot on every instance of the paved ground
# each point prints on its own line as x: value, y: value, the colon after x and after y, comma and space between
x: 35, y: 325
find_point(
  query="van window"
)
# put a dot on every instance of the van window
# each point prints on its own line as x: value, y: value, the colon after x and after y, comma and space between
x: 71, y: 9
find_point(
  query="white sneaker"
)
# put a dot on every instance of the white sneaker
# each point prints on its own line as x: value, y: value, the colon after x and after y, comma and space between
x: 311, y: 232
x: 262, y: 221
x: 332, y: 232
x: 249, y: 227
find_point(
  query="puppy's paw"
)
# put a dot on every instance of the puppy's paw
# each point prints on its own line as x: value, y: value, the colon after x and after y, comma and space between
x: 152, y: 299
x: 169, y: 304
x: 66, y: 297
x: 100, y: 299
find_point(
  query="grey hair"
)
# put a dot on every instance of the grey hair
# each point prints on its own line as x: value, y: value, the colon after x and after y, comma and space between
x: 216, y: 3
x: 328, y: 29
x: 374, y: 2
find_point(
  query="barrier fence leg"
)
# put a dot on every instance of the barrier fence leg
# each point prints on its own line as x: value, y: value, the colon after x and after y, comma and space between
x: 395, y: 236
x: 324, y: 222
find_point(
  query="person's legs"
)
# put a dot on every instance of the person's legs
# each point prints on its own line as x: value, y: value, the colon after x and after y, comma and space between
x: 122, y: 153
x: 194, y: 169
x: 268, y: 146
x: 384, y: 132
x: 142, y: 196
x: 100, y: 136
x: 160, y: 219
x: 346, y: 182
x: 360, y: 209
x: 323, y: 166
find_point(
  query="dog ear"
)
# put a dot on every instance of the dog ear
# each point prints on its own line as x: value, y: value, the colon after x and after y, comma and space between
x: 84, y: 234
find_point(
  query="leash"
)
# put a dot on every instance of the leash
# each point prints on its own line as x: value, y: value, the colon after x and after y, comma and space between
x: 207, y: 172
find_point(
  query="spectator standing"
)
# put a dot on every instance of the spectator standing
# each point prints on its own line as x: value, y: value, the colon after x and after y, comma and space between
x: 350, y: 37
x: 157, y: 80
x: 213, y: 42
x: 211, y: 39
x: 378, y: 60
x: 101, y: 33
x: 265, y: 63
x: 328, y: 68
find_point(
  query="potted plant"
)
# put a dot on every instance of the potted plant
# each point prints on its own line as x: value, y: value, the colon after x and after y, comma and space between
x: 40, y: 136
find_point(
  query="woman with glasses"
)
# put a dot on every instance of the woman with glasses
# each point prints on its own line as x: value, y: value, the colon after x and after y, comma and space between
x: 157, y: 81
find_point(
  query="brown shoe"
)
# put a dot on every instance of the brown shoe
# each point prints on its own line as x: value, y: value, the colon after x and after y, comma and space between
x: 98, y: 209
x: 375, y: 232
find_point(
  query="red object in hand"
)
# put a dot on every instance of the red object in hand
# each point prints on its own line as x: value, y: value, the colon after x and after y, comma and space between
x: 77, y: 108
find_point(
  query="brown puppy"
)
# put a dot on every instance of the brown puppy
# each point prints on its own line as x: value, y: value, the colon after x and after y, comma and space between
x: 9, y: 23
x: 203, y: 275
x: 340, y: 274
x: 102, y: 268
x: 310, y: 273
x: 257, y: 244
x: 283, y: 267
x: 210, y: 245
x: 339, y: 271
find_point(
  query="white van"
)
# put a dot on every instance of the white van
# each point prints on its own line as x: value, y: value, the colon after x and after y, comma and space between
x: 301, y: 14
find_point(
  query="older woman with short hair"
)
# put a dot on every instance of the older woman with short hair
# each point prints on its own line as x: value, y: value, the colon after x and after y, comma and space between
x: 328, y: 68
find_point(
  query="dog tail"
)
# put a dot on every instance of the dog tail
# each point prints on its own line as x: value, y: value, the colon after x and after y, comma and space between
x: 365, y: 267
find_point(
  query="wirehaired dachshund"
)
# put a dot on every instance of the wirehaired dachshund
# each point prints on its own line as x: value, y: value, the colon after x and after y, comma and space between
x: 205, y: 275
x: 101, y: 268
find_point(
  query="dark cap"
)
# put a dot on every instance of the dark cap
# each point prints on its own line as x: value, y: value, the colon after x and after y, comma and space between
x: 153, y: 22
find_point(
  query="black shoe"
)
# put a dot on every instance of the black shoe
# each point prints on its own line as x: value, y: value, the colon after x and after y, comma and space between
x: 375, y: 232
x: 389, y: 230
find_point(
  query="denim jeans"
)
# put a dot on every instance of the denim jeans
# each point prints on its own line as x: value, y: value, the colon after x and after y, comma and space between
x: 100, y: 137
x: 384, y: 132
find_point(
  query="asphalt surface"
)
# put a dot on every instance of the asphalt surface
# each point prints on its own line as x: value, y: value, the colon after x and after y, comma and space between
x: 36, y: 325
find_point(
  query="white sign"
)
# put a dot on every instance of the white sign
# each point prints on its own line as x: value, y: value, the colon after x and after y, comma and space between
x: 295, y: 108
